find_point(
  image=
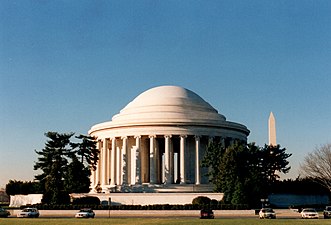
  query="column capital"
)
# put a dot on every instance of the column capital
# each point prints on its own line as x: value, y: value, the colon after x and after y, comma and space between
x: 152, y: 136
x: 167, y: 136
x: 183, y: 136
x: 197, y: 137
x: 124, y: 137
x: 137, y: 136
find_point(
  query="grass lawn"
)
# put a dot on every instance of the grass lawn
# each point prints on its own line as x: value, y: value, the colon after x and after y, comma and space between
x: 158, y: 221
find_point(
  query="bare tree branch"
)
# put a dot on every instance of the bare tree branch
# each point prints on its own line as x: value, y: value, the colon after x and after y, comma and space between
x: 317, y: 165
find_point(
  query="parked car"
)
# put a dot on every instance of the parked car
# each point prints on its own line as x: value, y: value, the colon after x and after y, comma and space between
x: 267, y: 213
x: 4, y: 213
x: 327, y: 212
x: 29, y: 212
x: 309, y: 213
x: 206, y: 214
x: 85, y: 213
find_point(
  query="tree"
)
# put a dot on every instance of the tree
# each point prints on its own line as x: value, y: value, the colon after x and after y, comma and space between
x: 76, y: 178
x: 317, y: 165
x: 273, y: 160
x: 22, y: 187
x: 52, y: 161
x: 65, y: 166
x: 87, y: 150
x: 244, y: 172
x: 212, y: 159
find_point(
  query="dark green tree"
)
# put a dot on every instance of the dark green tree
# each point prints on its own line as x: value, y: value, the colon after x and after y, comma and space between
x: 76, y: 178
x: 244, y: 172
x: 213, y: 157
x: 87, y: 150
x: 53, y: 161
x: 274, y: 160
x: 14, y: 187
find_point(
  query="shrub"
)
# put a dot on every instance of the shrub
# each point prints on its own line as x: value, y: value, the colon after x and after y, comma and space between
x: 201, y: 200
x: 89, y: 200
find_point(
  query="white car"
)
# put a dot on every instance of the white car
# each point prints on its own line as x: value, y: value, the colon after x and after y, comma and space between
x: 309, y: 213
x: 85, y: 213
x: 29, y: 212
x: 267, y: 213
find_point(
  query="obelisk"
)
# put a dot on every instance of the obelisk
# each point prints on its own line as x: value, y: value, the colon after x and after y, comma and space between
x: 272, y: 130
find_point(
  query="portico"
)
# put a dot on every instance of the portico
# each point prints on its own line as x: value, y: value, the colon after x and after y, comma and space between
x: 159, y: 138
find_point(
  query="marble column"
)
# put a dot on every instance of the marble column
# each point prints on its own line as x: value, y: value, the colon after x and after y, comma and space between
x: 152, y: 158
x: 197, y: 160
x: 104, y: 163
x: 182, y: 159
x: 124, y: 170
x: 167, y: 169
x: 95, y: 178
x: 133, y: 165
x: 138, y: 160
x: 118, y: 165
x: 113, y: 162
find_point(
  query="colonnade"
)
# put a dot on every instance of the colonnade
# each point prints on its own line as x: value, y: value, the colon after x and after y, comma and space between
x: 152, y: 159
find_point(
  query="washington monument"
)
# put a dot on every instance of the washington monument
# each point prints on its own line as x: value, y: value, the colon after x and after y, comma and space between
x: 272, y: 130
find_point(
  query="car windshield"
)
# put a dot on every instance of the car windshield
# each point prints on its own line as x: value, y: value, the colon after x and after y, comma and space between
x: 85, y: 210
x: 27, y: 210
x: 328, y: 208
x: 309, y: 210
x: 267, y: 210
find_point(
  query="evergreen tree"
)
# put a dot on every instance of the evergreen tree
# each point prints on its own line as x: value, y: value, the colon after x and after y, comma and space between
x: 52, y: 161
x: 76, y: 178
x: 243, y: 172
x: 87, y: 150
x: 62, y: 171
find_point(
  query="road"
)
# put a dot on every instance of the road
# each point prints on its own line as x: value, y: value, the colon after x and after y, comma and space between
x: 281, y: 213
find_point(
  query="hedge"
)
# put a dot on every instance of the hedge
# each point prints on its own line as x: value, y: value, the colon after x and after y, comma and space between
x: 140, y: 207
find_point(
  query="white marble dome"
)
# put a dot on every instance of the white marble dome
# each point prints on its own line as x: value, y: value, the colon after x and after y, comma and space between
x: 168, y: 105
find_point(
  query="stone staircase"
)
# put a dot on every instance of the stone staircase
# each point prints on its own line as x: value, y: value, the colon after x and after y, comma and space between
x: 163, y: 188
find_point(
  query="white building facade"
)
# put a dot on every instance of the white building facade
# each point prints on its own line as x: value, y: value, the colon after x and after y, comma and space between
x: 158, y: 140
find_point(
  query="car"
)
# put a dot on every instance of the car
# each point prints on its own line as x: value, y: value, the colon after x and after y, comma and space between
x: 29, y: 212
x: 309, y: 213
x: 267, y: 213
x: 327, y: 212
x: 85, y: 213
x: 4, y: 213
x: 206, y: 214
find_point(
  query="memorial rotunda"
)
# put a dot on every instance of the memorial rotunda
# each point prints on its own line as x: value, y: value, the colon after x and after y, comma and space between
x: 158, y: 141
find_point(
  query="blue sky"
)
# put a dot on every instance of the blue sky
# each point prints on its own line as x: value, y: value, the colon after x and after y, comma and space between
x: 67, y: 65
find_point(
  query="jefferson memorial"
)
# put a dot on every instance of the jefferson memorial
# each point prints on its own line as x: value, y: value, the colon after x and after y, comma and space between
x: 157, y: 141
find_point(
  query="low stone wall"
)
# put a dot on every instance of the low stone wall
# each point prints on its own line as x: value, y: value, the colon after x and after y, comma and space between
x: 18, y: 200
x: 150, y: 198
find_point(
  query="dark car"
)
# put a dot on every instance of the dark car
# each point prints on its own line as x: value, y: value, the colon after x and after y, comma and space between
x: 4, y: 213
x: 327, y: 212
x: 206, y: 214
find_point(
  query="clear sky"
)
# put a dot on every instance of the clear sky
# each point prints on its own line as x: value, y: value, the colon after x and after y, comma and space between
x: 67, y: 65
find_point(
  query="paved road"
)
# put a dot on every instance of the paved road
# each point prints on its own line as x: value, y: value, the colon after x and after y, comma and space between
x: 281, y: 213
